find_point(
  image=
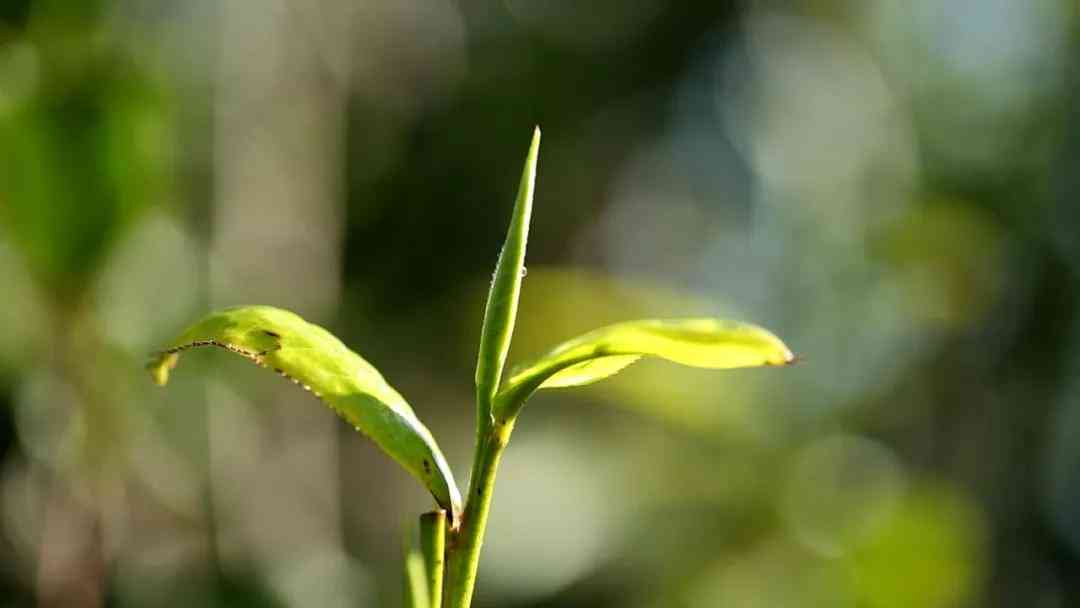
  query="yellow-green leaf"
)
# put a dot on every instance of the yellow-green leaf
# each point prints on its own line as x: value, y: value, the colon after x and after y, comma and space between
x: 708, y: 343
x: 313, y: 358
x: 589, y: 371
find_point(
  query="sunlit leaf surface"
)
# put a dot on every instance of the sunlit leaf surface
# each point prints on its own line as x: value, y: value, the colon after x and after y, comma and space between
x: 312, y: 357
x: 708, y: 343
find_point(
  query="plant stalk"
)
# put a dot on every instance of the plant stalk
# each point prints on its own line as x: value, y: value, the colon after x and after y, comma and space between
x: 433, y: 548
x: 463, y: 551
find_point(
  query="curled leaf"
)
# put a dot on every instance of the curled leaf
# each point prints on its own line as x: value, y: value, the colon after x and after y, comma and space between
x: 313, y: 358
x: 500, y: 311
x: 708, y: 343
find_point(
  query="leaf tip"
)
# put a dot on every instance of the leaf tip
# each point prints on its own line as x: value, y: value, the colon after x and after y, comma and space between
x: 534, y: 146
x: 160, y: 367
x: 784, y: 358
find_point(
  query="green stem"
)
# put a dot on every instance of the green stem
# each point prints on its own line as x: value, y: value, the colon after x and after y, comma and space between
x: 463, y: 557
x: 433, y: 548
x: 416, y: 592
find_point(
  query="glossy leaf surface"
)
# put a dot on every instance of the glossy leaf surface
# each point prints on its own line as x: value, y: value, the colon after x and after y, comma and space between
x: 708, y: 343
x: 312, y: 357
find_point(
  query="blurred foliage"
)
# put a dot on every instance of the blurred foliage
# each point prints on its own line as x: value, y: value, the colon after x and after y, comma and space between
x: 86, y: 145
x: 887, y: 185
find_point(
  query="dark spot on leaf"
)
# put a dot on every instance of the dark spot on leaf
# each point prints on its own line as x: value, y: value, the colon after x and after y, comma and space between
x: 427, y: 466
x: 272, y: 334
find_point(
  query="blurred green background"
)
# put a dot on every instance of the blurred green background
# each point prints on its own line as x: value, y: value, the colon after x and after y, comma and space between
x: 887, y: 184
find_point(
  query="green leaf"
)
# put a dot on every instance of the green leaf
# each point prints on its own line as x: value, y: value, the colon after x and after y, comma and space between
x: 313, y: 358
x: 709, y: 343
x: 502, y: 303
